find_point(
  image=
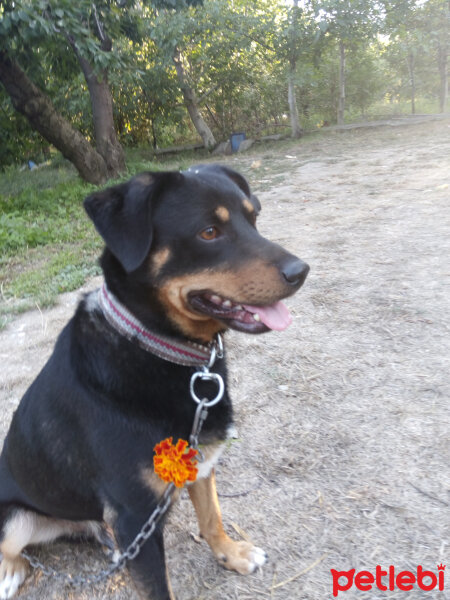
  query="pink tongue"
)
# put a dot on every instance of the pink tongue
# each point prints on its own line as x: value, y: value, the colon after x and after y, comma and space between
x: 276, y: 316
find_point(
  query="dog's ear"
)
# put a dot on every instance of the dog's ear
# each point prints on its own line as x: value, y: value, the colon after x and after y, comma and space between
x: 236, y: 177
x: 122, y: 216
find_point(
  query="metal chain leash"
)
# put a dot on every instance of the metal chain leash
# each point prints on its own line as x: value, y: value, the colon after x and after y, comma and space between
x: 165, y: 501
x: 129, y: 554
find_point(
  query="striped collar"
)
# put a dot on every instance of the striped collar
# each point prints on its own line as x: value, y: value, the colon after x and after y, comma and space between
x: 185, y: 353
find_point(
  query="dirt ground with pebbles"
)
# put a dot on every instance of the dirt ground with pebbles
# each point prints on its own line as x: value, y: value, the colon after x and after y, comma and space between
x: 342, y: 459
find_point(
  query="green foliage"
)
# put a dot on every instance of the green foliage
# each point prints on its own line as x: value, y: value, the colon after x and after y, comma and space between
x: 236, y: 55
x: 17, y: 232
x: 348, y: 20
x: 417, y: 52
x: 175, y: 4
x: 35, y: 217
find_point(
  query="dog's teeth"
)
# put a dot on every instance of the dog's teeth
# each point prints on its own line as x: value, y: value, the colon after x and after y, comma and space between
x: 257, y: 317
x: 216, y: 299
x: 238, y: 307
x: 227, y: 304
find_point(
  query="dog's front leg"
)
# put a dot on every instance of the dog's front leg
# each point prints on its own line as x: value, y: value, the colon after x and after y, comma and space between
x: 243, y: 557
x: 148, y: 570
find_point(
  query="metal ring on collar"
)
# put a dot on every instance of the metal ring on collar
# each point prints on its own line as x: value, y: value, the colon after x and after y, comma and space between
x: 219, y: 344
x: 216, y: 351
x: 207, y: 376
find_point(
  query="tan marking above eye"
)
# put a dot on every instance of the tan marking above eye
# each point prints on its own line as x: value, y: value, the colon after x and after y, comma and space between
x: 248, y: 205
x: 223, y: 214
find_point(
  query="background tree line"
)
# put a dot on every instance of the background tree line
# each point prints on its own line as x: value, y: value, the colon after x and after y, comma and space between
x: 94, y: 76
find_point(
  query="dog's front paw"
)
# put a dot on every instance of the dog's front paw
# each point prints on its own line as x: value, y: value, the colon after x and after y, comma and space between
x: 242, y: 557
x: 12, y: 574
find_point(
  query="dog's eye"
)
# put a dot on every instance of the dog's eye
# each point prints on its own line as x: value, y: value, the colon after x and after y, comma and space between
x: 210, y: 233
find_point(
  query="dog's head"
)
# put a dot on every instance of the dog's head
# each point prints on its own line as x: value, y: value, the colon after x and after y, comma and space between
x: 186, y: 248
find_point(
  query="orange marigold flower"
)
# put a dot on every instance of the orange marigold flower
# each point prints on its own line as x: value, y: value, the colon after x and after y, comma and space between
x: 173, y: 464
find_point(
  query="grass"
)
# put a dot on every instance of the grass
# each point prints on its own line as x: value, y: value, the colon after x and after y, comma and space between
x: 14, y: 180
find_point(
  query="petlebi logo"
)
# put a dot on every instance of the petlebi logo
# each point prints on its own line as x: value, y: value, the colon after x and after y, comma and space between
x: 389, y: 580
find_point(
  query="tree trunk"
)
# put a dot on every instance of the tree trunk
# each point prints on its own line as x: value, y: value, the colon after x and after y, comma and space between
x: 31, y: 102
x: 443, y: 74
x: 443, y: 48
x: 190, y: 101
x: 412, y: 78
x: 106, y: 140
x: 341, y: 105
x: 296, y: 130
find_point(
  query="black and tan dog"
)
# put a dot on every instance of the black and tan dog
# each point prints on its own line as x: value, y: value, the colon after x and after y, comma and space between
x: 183, y: 261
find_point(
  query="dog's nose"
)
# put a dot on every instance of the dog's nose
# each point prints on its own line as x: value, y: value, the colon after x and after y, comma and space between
x: 295, y: 271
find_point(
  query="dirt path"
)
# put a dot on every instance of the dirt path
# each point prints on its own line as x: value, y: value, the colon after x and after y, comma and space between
x: 344, y: 419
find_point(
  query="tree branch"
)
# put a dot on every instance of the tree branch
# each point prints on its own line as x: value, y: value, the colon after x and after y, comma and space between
x: 106, y: 42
